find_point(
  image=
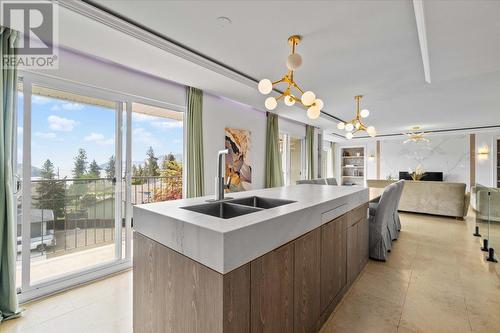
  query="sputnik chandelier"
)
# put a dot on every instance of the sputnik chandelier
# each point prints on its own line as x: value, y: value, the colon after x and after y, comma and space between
x: 416, y: 135
x: 357, y: 124
x: 308, y: 98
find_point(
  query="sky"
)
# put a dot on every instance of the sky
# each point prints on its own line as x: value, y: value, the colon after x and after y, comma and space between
x: 60, y: 128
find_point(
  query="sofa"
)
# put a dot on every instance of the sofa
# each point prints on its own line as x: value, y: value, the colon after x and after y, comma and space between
x: 426, y: 197
x: 486, y: 208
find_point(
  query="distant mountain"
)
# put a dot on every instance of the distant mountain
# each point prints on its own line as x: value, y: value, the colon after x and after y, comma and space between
x: 35, y: 172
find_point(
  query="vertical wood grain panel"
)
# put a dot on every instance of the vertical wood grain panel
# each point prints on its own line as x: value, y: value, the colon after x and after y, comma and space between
x: 307, y: 281
x: 237, y: 300
x: 142, y: 285
x: 173, y: 293
x: 363, y: 240
x: 352, y: 252
x: 272, y: 291
x: 333, y: 260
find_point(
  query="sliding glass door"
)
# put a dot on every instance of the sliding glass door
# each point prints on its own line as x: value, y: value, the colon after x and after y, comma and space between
x: 292, y: 158
x: 85, y: 157
x: 71, y: 221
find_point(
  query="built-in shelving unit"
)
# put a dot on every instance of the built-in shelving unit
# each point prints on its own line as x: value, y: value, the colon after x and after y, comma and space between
x: 353, y: 165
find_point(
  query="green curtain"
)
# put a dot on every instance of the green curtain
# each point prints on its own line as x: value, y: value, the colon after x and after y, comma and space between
x: 310, y: 152
x: 274, y: 172
x: 8, y: 297
x: 194, y: 147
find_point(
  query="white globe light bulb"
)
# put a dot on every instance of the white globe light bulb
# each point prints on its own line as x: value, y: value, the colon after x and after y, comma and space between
x: 271, y: 103
x: 364, y: 113
x: 293, y: 61
x: 265, y: 86
x: 319, y: 103
x: 349, y: 136
x: 341, y: 126
x: 371, y: 131
x: 289, y: 100
x: 313, y: 112
x: 308, y: 98
x: 349, y: 127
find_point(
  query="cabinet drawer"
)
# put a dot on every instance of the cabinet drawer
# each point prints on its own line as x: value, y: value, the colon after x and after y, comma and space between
x: 333, y: 213
x: 357, y: 214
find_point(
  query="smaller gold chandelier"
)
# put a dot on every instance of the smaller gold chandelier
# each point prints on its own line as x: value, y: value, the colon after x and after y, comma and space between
x: 308, y: 98
x: 356, y: 124
x: 416, y: 135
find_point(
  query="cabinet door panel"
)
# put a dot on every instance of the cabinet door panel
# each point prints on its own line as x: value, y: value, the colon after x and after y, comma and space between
x: 236, y: 300
x: 307, y: 281
x: 363, y: 238
x: 352, y: 253
x: 333, y: 260
x: 272, y: 291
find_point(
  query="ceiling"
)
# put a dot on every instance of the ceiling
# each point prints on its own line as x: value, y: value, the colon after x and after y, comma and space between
x: 349, y: 48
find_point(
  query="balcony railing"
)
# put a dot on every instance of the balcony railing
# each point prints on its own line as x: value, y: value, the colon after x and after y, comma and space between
x: 74, y: 214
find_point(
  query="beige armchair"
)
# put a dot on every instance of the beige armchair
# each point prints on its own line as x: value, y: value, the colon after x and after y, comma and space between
x: 479, y: 201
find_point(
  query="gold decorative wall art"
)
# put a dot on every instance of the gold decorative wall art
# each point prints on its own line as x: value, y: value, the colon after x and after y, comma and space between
x: 238, y: 160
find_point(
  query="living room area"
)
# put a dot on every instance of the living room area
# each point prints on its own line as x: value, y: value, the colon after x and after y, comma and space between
x: 452, y: 174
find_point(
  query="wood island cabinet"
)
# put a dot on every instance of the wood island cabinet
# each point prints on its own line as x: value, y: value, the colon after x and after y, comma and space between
x: 333, y: 260
x: 293, y: 288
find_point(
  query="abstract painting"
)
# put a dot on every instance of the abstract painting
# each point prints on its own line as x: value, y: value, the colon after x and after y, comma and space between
x: 238, y: 160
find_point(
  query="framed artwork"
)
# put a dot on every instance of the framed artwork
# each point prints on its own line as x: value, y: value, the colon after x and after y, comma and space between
x: 238, y: 160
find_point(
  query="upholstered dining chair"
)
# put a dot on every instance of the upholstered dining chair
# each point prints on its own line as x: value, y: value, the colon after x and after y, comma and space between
x: 319, y: 181
x: 401, y: 185
x: 380, y: 239
x: 393, y: 224
x: 331, y: 181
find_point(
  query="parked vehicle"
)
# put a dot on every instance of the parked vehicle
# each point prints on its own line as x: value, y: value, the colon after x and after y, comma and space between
x: 42, y: 229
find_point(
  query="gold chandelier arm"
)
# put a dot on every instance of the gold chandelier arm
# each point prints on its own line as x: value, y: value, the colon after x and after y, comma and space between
x: 280, y: 97
x: 297, y: 87
x: 279, y: 81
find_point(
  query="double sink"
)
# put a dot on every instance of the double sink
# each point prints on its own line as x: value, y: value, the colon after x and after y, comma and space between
x: 236, y: 207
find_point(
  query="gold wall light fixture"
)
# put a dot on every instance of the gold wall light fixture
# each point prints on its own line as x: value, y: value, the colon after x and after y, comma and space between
x: 483, y: 153
x: 356, y: 124
x: 292, y: 91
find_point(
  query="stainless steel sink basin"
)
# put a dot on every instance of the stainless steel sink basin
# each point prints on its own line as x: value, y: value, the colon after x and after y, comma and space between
x: 260, y: 202
x: 223, y: 210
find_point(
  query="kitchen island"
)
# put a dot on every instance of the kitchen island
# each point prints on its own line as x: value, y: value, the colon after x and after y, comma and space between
x: 271, y: 260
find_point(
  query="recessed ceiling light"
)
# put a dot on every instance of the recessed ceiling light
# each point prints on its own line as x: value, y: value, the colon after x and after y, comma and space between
x: 224, y: 21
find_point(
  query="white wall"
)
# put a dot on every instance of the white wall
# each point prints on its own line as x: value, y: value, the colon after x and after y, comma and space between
x: 444, y: 153
x: 219, y: 113
x: 292, y: 128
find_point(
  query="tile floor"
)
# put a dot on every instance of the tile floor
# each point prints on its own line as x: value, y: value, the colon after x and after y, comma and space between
x: 435, y: 280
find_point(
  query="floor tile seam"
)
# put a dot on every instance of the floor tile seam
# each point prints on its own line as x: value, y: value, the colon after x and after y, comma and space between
x: 406, y: 295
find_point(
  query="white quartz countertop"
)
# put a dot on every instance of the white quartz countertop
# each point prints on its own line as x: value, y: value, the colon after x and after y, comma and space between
x: 225, y: 244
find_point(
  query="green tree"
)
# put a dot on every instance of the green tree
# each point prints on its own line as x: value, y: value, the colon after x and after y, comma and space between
x: 151, y: 166
x: 50, y: 191
x: 110, y: 167
x: 94, y: 170
x: 137, y: 173
x: 166, y: 159
x: 80, y: 168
